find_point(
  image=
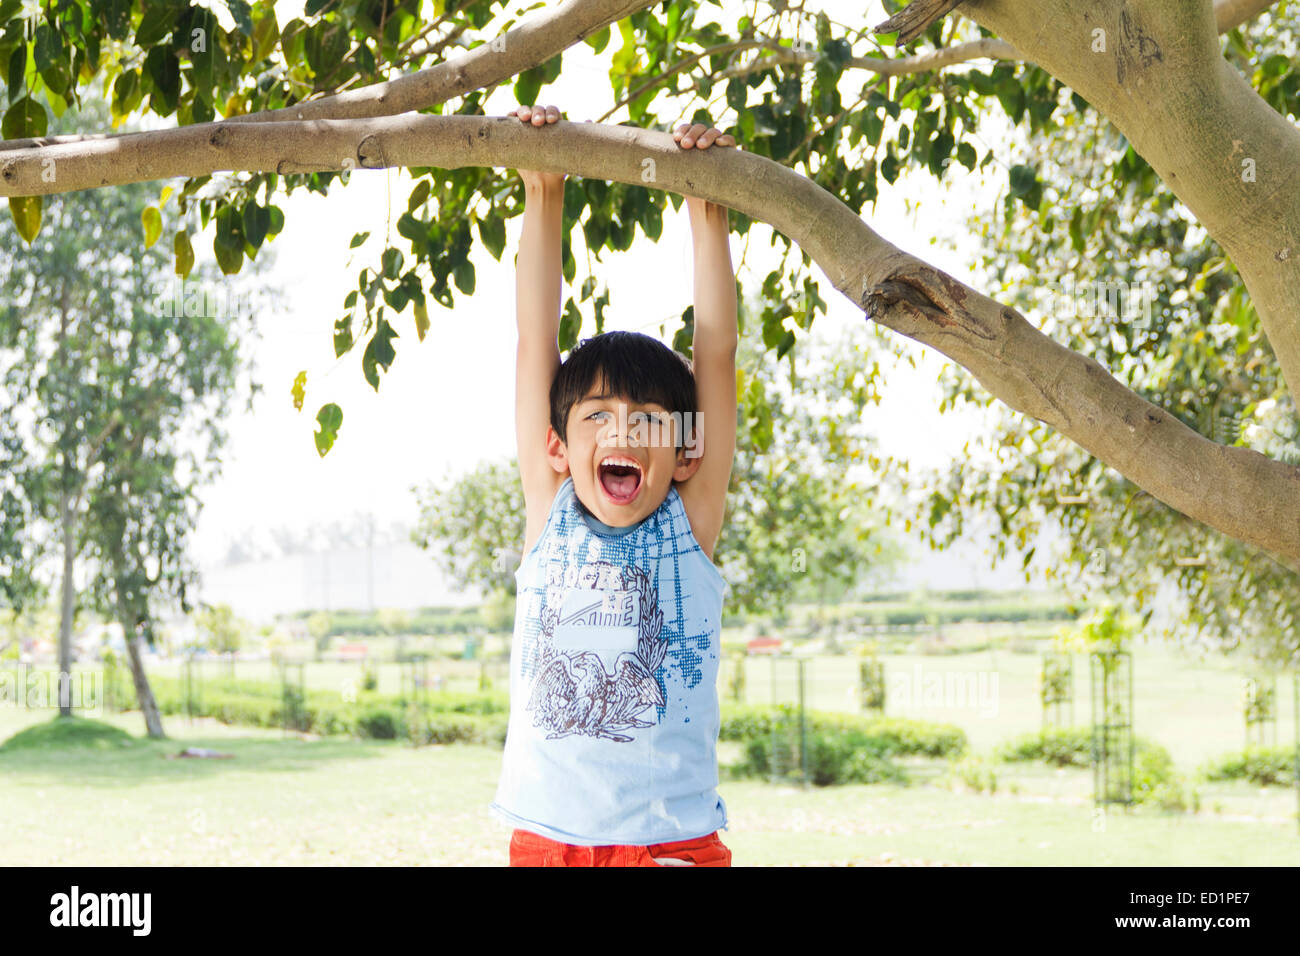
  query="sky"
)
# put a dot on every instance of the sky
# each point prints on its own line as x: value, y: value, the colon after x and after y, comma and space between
x: 447, y: 404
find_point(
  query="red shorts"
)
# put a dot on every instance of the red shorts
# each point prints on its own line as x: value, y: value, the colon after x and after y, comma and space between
x: 531, y: 849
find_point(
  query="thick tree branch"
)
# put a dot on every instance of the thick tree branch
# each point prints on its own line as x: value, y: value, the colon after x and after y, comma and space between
x: 913, y: 19
x: 1155, y: 70
x: 1237, y: 491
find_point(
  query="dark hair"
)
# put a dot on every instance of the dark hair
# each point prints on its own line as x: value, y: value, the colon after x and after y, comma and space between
x: 638, y: 367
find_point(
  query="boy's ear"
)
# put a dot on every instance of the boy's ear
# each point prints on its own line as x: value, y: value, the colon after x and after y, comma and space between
x: 686, y: 466
x: 556, y: 453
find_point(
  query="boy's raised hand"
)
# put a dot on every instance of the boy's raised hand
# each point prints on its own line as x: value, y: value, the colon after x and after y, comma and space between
x: 539, y: 116
x: 699, y: 136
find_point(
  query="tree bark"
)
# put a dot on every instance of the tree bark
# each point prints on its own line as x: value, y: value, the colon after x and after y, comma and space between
x: 67, y: 520
x: 143, y: 692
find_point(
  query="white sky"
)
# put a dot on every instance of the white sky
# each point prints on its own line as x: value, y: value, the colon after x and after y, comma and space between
x: 447, y: 403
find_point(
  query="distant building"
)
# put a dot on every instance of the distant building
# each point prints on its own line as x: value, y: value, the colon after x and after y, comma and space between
x: 400, y: 575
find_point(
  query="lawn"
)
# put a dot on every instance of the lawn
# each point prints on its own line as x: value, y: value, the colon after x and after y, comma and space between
x: 288, y: 800
x: 291, y: 801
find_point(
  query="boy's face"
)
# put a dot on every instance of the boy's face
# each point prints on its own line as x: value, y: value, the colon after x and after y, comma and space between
x: 623, y: 456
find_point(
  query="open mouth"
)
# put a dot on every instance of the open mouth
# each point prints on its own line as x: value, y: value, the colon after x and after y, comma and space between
x: 620, y: 477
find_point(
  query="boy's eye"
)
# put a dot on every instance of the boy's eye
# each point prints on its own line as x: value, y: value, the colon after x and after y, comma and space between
x: 594, y: 414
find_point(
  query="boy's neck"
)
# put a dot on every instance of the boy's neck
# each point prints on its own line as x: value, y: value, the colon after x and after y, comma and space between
x: 597, y: 525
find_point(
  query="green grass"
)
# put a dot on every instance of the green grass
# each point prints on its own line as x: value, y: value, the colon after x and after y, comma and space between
x: 68, y: 732
x: 288, y: 801
x: 79, y: 797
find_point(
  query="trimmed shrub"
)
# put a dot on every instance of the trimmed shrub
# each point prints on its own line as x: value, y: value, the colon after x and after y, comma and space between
x: 1266, y: 766
x: 907, y: 737
x: 832, y: 758
x: 1058, y: 746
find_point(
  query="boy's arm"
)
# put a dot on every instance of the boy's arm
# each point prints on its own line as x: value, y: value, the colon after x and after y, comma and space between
x: 704, y: 494
x: 537, y: 311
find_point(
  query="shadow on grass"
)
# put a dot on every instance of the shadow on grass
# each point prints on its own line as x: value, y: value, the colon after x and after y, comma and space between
x: 101, y: 755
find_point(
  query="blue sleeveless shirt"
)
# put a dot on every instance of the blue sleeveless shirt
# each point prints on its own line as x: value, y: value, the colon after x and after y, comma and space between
x: 613, y: 682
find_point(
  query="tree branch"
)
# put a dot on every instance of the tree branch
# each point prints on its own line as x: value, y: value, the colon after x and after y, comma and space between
x: 1237, y: 491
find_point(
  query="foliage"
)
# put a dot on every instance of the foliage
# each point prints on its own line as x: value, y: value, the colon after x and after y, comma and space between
x: 833, y: 757
x: 905, y: 737
x: 1058, y: 746
x: 973, y: 772
x: 1265, y: 766
x: 800, y: 520
x: 434, y: 718
x: 1113, y: 266
x: 474, y: 525
x: 219, y: 629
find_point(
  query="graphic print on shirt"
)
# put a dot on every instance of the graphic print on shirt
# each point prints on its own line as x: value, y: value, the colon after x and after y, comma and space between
x: 601, y: 643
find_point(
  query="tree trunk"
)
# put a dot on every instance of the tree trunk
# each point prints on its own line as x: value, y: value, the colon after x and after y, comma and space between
x: 65, y: 613
x: 143, y: 692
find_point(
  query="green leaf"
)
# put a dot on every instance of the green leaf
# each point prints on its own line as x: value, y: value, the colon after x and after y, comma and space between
x: 421, y: 319
x: 24, y: 119
x: 242, y: 14
x: 151, y: 219
x: 299, y: 390
x: 492, y: 230
x: 17, y: 67
x: 343, y: 335
x: 463, y: 274
x: 1022, y: 180
x: 184, y: 253
x: 392, y: 260
x: 159, y: 20
x: 358, y: 239
x: 598, y: 40
x: 26, y: 213
x: 257, y: 221
x: 379, y: 352
x: 266, y: 34
x: 230, y: 260
x: 527, y: 86
x: 419, y: 195
x: 570, y: 325
x: 330, y: 419
x: 51, y: 59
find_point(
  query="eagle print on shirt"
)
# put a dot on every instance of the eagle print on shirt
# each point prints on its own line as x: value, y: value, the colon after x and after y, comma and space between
x: 574, y: 692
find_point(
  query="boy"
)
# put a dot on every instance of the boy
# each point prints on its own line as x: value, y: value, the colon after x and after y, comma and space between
x: 625, y: 452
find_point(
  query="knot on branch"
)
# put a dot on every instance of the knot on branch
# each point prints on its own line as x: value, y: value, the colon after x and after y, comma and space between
x: 370, y: 153
x: 927, y: 294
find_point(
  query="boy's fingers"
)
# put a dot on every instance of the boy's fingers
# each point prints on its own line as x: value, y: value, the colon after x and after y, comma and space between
x: 552, y: 114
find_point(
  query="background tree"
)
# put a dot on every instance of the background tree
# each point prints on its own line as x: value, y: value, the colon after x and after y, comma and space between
x: 117, y: 383
x: 1116, y: 267
x: 220, y: 630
